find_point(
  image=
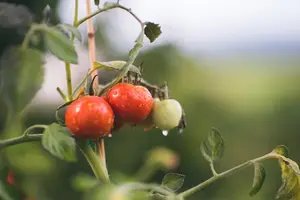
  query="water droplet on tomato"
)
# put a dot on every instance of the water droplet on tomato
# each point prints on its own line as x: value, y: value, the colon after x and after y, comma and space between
x: 165, y: 132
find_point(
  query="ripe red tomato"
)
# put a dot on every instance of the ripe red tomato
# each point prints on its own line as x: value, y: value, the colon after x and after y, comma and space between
x: 89, y: 117
x: 11, y: 178
x: 130, y: 103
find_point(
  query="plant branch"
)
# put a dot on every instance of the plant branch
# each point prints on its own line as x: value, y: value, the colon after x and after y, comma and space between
x: 60, y: 92
x: 212, y: 167
x: 75, y: 13
x: 145, y: 172
x: 27, y: 131
x: 128, y: 187
x: 132, y: 55
x: 227, y: 173
x: 20, y: 139
x: 69, y: 81
x: 92, y: 55
x: 106, y: 9
x: 96, y: 164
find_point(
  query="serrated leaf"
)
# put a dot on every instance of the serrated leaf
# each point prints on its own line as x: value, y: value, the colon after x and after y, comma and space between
x: 259, y: 178
x: 21, y: 76
x: 282, y: 150
x: 73, y: 30
x: 212, y: 148
x: 58, y: 141
x: 116, y: 65
x: 60, y: 45
x: 290, y: 174
x: 152, y: 31
x: 173, y: 181
x: 84, y: 182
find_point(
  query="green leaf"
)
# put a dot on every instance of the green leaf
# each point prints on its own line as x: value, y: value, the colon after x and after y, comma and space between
x: 9, y: 192
x: 84, y: 182
x: 213, y: 147
x: 152, y: 31
x: 73, y: 30
x: 290, y: 175
x: 259, y: 178
x: 21, y: 76
x: 106, y: 192
x: 58, y: 142
x: 282, y: 150
x: 96, y: 2
x: 116, y: 65
x: 173, y: 181
x: 60, y: 45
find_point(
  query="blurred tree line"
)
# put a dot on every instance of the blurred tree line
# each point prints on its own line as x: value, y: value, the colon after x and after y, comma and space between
x: 255, y: 107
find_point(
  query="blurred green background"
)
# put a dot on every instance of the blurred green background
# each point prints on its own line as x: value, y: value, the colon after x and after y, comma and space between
x: 254, y: 103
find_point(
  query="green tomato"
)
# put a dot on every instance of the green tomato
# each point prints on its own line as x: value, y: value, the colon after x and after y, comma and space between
x: 166, y: 114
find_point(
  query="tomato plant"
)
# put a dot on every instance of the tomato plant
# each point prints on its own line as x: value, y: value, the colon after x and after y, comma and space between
x: 94, y: 112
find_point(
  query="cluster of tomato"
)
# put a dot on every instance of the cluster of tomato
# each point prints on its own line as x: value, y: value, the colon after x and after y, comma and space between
x: 93, y: 117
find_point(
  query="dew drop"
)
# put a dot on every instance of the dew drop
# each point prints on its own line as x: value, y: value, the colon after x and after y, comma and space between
x: 165, y: 132
x: 109, y: 135
x: 180, y: 131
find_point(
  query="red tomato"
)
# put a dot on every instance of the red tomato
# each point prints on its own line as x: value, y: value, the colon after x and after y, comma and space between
x: 130, y: 103
x: 89, y: 117
x: 10, y: 178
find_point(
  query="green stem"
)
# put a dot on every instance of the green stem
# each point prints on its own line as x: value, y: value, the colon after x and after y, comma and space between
x: 69, y: 81
x: 19, y: 140
x: 75, y: 13
x: 128, y: 187
x: 212, y: 167
x: 132, y: 55
x: 27, y: 37
x: 145, y: 172
x: 60, y: 92
x: 96, y: 164
x: 227, y: 173
x: 27, y: 131
x: 106, y: 9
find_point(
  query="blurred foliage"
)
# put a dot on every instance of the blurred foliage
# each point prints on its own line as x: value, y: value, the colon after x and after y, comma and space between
x: 255, y: 105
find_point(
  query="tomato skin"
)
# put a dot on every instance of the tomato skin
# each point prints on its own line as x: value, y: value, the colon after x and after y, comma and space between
x: 89, y: 117
x: 130, y: 103
x: 11, y: 178
x: 166, y: 114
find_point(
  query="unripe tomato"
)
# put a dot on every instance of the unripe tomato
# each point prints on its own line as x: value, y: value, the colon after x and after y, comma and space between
x: 89, y: 117
x: 129, y: 102
x: 166, y: 114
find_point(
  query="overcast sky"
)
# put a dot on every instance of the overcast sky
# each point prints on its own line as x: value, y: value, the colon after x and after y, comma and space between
x: 203, y: 24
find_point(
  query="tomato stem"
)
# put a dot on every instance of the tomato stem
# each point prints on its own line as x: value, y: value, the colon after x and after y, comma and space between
x: 227, y: 173
x: 92, y: 55
x: 96, y: 164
